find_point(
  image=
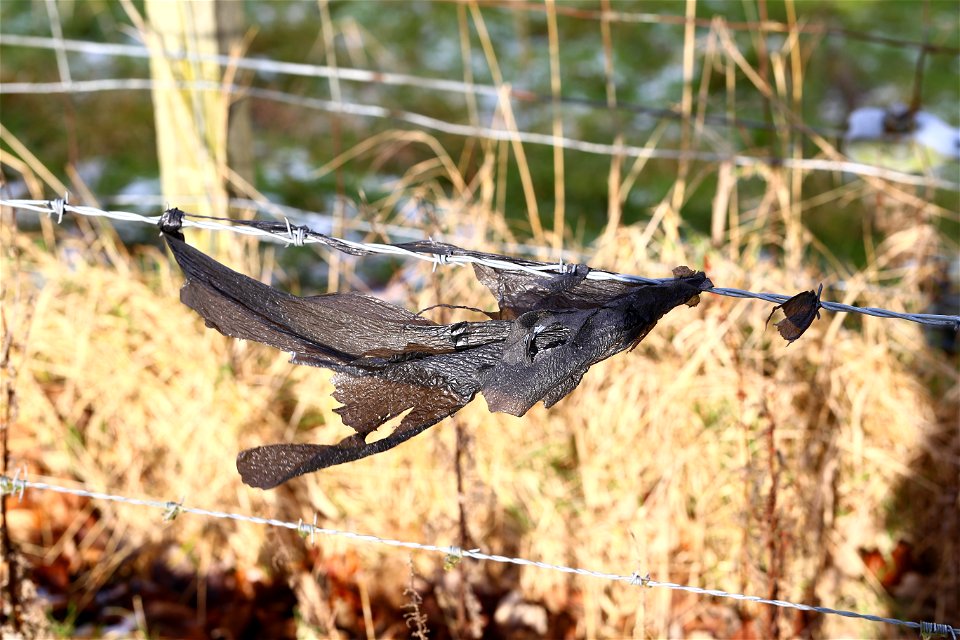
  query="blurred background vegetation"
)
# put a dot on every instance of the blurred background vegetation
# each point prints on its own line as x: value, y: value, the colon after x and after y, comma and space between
x: 824, y: 474
x: 113, y: 144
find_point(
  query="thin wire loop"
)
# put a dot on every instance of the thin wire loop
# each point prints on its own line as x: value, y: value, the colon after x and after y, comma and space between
x: 936, y: 629
x: 297, y: 234
x: 440, y: 259
x: 57, y: 206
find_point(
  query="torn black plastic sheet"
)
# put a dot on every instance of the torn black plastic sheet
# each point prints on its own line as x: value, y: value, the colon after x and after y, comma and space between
x: 388, y: 361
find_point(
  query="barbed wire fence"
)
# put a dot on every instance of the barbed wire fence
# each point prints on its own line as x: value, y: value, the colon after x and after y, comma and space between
x: 412, y: 231
x: 287, y: 234
x: 284, y: 233
x: 18, y: 484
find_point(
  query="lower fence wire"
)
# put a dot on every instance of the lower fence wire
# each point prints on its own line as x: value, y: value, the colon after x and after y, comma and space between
x: 18, y: 485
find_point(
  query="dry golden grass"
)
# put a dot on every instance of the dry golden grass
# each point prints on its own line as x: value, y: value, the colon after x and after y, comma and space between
x: 659, y: 462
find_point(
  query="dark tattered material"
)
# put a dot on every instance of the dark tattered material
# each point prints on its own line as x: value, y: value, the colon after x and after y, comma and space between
x: 800, y: 311
x: 390, y: 362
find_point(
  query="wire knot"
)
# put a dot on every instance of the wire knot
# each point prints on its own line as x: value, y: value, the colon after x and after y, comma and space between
x: 439, y: 259
x: 453, y: 558
x: 58, y: 205
x: 639, y: 581
x: 173, y: 510
x: 928, y: 629
x: 566, y: 268
x: 15, y: 485
x: 296, y: 235
x: 304, y: 529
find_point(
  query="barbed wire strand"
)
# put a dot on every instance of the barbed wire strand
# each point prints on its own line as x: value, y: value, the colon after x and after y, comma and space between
x: 394, y: 230
x: 325, y: 220
x: 417, y: 119
x: 18, y: 485
x: 304, y: 235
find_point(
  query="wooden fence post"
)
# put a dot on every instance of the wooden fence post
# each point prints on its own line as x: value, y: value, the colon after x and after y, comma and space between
x: 193, y: 124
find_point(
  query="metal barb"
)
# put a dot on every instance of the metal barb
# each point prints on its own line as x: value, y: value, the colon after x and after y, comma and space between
x: 303, y: 529
x: 15, y: 485
x: 7, y: 486
x: 639, y: 581
x: 439, y: 259
x: 57, y: 206
x: 566, y: 268
x: 297, y: 235
x: 928, y: 629
x: 174, y: 509
x: 23, y: 483
x: 453, y: 558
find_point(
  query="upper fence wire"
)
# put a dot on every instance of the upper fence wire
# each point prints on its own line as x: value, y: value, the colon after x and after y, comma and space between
x: 298, y: 235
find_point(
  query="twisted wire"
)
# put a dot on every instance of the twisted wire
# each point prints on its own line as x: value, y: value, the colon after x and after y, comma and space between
x: 288, y: 235
x: 17, y: 485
